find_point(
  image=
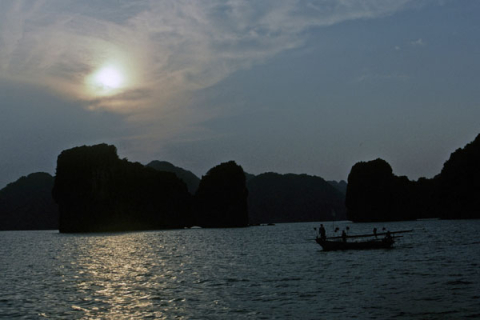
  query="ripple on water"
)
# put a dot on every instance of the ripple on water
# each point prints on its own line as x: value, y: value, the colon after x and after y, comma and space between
x: 251, y: 273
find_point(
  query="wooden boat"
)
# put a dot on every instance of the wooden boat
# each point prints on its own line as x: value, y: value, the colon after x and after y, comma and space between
x: 337, y: 243
x: 329, y: 245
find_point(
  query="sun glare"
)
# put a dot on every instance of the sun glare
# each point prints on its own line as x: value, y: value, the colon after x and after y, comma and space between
x: 107, y: 80
x: 109, y: 77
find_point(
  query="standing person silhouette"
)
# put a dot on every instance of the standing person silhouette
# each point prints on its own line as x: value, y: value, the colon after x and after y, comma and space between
x: 323, y: 235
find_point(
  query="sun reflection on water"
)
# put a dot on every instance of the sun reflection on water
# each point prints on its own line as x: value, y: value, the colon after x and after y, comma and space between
x: 248, y: 273
x: 114, y: 276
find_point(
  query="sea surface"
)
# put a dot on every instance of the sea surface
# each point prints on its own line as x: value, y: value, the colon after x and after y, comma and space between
x: 266, y: 272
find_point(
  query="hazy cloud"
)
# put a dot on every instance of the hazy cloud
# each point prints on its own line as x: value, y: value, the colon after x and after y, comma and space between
x: 418, y: 42
x: 169, y: 49
x: 381, y: 77
x: 177, y: 46
x: 267, y: 83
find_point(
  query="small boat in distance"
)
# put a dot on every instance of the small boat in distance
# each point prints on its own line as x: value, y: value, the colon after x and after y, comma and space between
x: 342, y: 243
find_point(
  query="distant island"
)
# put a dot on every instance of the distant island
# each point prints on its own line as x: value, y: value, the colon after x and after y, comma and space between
x: 190, y: 179
x: 374, y: 193
x: 27, y: 204
x: 90, y: 179
x: 276, y: 198
x: 95, y: 190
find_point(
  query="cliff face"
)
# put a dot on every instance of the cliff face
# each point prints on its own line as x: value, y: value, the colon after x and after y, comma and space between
x: 459, y: 183
x: 221, y: 198
x: 374, y: 193
x: 293, y: 198
x: 27, y: 204
x: 96, y: 191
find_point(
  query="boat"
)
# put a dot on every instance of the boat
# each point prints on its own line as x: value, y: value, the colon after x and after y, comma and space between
x: 329, y: 245
x: 337, y: 243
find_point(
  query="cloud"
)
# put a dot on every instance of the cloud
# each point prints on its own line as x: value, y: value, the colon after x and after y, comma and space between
x: 418, y: 43
x: 381, y: 77
x: 169, y: 49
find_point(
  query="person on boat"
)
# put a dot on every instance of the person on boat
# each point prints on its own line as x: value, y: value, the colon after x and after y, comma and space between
x: 375, y: 232
x: 323, y: 234
x: 388, y: 236
x: 344, y: 236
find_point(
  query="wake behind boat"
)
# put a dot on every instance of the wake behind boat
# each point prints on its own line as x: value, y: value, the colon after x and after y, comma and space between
x: 343, y: 242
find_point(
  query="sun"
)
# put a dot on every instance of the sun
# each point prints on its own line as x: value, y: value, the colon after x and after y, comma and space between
x: 109, y: 77
x: 107, y: 80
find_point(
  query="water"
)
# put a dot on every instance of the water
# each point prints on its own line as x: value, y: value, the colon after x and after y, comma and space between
x: 274, y: 272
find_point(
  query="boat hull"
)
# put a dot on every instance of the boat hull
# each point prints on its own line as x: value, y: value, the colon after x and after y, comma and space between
x: 355, y: 245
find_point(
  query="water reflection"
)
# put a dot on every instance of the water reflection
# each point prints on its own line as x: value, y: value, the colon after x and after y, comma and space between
x: 265, y: 272
x: 120, y: 276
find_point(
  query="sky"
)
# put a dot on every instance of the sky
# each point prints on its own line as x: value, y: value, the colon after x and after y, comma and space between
x: 289, y: 86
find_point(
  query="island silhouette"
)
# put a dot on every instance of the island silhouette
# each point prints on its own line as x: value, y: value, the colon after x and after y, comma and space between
x: 374, y: 193
x: 96, y: 191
